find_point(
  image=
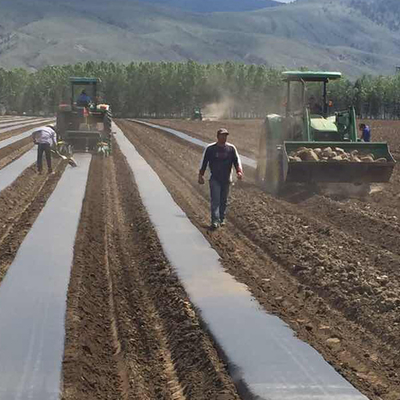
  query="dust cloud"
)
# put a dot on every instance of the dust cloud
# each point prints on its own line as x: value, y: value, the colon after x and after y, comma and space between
x: 346, y: 190
x: 219, y: 110
x: 246, y: 106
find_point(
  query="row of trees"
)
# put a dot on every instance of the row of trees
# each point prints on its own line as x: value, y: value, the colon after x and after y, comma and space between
x: 167, y: 89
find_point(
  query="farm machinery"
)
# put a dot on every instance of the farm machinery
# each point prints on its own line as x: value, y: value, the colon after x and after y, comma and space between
x: 84, y: 125
x: 197, y: 114
x: 309, y: 146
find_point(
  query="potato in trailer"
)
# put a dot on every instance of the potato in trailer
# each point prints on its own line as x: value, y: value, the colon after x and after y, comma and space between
x: 303, y: 145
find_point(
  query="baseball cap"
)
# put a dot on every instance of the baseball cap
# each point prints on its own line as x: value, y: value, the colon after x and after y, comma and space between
x: 222, y: 131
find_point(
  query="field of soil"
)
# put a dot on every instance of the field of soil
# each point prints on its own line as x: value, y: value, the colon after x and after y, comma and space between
x: 244, y: 135
x: 329, y: 268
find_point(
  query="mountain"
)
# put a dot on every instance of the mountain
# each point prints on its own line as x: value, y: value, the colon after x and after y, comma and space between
x: 319, y: 34
x: 383, y: 12
x: 207, y: 6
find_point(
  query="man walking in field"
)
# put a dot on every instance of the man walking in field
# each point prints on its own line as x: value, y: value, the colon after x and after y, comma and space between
x: 220, y: 157
x: 44, y: 137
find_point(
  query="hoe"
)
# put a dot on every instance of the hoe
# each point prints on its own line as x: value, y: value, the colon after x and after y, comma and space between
x: 70, y: 159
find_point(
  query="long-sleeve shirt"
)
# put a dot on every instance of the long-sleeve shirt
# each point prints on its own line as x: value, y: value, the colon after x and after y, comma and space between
x: 220, y: 160
x: 366, y: 134
x: 83, y: 100
x: 44, y: 134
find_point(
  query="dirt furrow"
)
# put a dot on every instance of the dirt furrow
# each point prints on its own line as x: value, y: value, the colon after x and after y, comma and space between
x: 21, y: 203
x: 6, y: 124
x: 18, y: 131
x: 144, y: 348
x: 386, y: 200
x: 90, y: 369
x: 163, y: 352
x: 314, y: 262
x: 15, y: 150
x: 243, y: 133
x: 358, y: 219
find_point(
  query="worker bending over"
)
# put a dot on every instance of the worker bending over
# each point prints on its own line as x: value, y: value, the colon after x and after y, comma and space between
x: 44, y: 137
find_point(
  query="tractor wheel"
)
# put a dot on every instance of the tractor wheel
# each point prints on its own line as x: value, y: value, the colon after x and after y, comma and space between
x: 103, y: 149
x: 262, y: 156
x: 101, y: 152
x: 61, y: 125
x: 70, y: 150
x: 274, y: 181
x: 107, y: 122
x: 273, y: 176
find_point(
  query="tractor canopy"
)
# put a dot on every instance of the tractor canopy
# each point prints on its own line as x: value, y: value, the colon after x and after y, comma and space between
x: 298, y: 83
x: 84, y: 81
x: 310, y: 76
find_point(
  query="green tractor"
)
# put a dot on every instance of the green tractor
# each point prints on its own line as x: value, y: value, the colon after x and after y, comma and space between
x: 84, y: 125
x: 197, y: 114
x: 308, y: 131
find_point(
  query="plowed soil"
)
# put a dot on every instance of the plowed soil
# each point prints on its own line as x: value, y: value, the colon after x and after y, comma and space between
x: 131, y: 330
x: 329, y: 268
x: 15, y: 132
x: 15, y: 150
x: 20, y: 204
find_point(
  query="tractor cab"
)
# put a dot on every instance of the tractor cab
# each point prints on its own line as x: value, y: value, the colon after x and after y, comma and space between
x: 83, y: 92
x: 313, y: 110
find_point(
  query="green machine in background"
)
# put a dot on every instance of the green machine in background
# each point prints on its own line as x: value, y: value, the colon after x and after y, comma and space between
x: 309, y: 126
x: 197, y: 114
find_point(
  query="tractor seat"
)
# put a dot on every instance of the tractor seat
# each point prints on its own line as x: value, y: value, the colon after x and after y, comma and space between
x: 324, y: 130
x: 320, y: 124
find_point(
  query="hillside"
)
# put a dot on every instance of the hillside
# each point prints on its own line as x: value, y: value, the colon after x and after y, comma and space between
x: 313, y: 33
x: 383, y: 12
x: 207, y: 6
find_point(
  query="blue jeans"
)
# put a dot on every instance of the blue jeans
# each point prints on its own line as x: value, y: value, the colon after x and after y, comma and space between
x: 43, y: 147
x: 219, y: 196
